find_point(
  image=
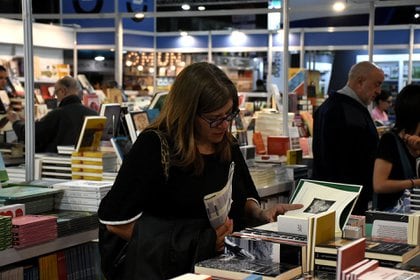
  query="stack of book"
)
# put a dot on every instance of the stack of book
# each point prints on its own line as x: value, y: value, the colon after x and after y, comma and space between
x: 54, y: 166
x: 71, y: 222
x: 36, y: 199
x: 16, y: 173
x: 81, y: 195
x: 29, y: 230
x: 415, y: 198
x: 390, y: 253
x: 91, y: 165
x: 5, y: 232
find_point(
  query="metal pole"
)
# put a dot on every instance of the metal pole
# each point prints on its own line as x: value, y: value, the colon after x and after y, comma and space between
x: 118, y: 46
x: 371, y: 29
x: 75, y: 65
x: 410, y: 56
x: 154, y: 51
x: 286, y: 67
x: 209, y: 47
x: 29, y: 90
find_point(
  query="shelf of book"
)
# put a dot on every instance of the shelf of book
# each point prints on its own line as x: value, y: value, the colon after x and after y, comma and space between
x: 12, y: 255
x: 275, y: 189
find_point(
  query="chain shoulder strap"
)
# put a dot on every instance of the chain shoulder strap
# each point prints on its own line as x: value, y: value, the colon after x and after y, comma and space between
x: 164, y: 152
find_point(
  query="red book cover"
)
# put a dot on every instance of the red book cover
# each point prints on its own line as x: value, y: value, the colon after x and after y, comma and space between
x: 350, y: 254
x: 31, y: 220
x: 61, y: 265
x: 278, y: 145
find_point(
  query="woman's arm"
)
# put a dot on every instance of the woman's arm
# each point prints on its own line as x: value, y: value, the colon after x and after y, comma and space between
x: 123, y: 231
x: 382, y: 183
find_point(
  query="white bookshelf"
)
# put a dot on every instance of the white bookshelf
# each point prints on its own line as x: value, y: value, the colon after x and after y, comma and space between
x: 12, y: 255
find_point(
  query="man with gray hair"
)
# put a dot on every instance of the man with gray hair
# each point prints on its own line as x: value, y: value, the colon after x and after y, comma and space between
x: 345, y: 137
x: 62, y: 125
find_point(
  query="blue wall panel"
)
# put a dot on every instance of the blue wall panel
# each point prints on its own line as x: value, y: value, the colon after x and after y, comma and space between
x: 138, y: 41
x: 294, y: 39
x: 417, y: 36
x: 390, y: 37
x: 168, y: 42
x: 104, y: 38
x: 249, y: 40
x: 342, y: 38
x: 145, y: 25
x: 85, y: 6
x: 91, y: 23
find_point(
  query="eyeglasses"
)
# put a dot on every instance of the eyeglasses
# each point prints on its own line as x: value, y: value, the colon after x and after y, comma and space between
x: 216, y: 122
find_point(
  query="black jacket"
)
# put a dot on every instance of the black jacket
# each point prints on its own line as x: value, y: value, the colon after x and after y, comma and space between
x: 345, y: 141
x: 61, y: 126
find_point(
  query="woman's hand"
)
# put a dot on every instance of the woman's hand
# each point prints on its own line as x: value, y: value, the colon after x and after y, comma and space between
x: 123, y: 231
x: 221, y: 232
x: 270, y: 215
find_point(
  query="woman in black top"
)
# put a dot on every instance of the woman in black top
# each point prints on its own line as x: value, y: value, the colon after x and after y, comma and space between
x: 389, y: 178
x: 195, y: 121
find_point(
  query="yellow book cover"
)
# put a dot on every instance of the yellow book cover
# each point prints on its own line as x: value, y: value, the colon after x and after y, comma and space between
x: 91, y: 133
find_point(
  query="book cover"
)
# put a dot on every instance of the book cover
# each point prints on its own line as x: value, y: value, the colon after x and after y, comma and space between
x: 368, y: 266
x: 90, y: 134
x: 130, y: 126
x: 122, y: 145
x: 391, y: 251
x: 348, y: 270
x: 265, y: 249
x: 386, y: 273
x: 112, y: 113
x: 321, y: 196
x: 233, y: 267
x: 349, y: 255
x: 140, y: 120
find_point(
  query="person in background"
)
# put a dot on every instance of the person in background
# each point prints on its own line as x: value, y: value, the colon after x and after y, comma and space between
x: 260, y: 86
x: 3, y: 77
x: 196, y: 121
x: 390, y: 178
x: 60, y: 126
x: 345, y: 137
x: 380, y: 112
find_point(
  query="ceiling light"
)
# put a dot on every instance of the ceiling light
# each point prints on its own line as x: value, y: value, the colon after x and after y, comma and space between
x: 339, y: 6
x: 183, y: 33
x: 139, y: 15
x: 185, y: 7
x: 140, y: 68
x: 416, y: 15
x: 99, y: 58
x: 201, y: 8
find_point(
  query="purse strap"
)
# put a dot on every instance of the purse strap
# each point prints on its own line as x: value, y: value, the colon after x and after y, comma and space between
x: 405, y: 162
x: 164, y: 153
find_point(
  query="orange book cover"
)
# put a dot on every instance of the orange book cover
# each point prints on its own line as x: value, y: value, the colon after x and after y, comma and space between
x: 259, y: 143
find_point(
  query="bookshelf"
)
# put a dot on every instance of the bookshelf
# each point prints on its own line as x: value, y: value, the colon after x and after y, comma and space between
x: 12, y: 255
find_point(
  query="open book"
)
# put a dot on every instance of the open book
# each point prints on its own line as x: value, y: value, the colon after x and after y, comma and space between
x: 320, y: 196
x: 218, y: 203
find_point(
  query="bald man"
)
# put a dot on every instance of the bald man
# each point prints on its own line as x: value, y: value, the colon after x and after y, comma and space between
x: 345, y: 138
x: 60, y: 126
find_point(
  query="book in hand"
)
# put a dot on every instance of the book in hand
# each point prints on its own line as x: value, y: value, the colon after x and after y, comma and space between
x: 91, y: 133
x: 218, y: 203
x: 231, y: 266
x: 321, y: 196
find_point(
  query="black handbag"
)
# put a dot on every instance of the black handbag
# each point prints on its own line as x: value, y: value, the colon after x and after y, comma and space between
x: 113, y: 248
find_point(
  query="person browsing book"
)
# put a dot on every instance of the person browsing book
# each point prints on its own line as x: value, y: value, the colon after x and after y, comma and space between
x: 380, y: 112
x: 186, y: 155
x: 62, y: 125
x: 395, y: 164
x: 345, y: 137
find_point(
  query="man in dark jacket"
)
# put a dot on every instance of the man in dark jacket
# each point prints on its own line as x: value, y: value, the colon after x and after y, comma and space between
x: 345, y: 138
x: 60, y: 126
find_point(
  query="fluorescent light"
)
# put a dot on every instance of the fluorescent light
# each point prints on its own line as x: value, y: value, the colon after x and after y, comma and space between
x: 99, y: 58
x: 201, y: 8
x: 416, y: 15
x: 339, y: 6
x: 183, y: 33
x: 185, y: 7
